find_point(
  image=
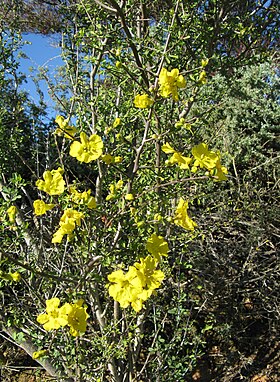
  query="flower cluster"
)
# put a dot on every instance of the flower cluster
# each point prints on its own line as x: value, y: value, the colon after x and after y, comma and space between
x: 53, y: 183
x: 137, y: 285
x: 84, y: 198
x: 88, y: 149
x: 40, y: 207
x: 202, y: 158
x: 64, y: 129
x: 72, y: 315
x: 170, y: 82
x: 182, y: 218
x: 68, y: 222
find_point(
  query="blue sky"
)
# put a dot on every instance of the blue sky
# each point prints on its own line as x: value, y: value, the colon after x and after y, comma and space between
x: 42, y: 52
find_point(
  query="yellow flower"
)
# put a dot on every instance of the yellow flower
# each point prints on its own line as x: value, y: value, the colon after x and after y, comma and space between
x: 88, y: 149
x: 157, y: 246
x: 16, y: 276
x: 170, y: 82
x: 142, y: 101
x: 182, y: 161
x: 203, y: 157
x: 178, y: 158
x: 181, y: 216
x: 77, y: 317
x: 202, y: 80
x: 68, y: 222
x: 40, y: 207
x: 12, y: 212
x: 39, y: 354
x: 219, y: 172
x: 53, y: 183
x: 150, y: 277
x: 125, y: 287
x: 54, y: 318
x: 84, y: 198
x: 64, y: 128
x: 73, y: 315
x: 118, y: 64
x: 119, y: 184
x: 204, y: 62
x: 167, y: 149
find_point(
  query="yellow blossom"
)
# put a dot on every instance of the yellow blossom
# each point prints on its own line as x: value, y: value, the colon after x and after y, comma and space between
x: 150, y: 277
x: 170, y: 82
x: 84, y: 198
x: 167, y: 149
x: 204, y: 158
x: 113, y: 190
x: 53, y: 318
x: 178, y: 158
x: 12, y: 212
x: 118, y: 159
x: 77, y: 317
x: 40, y: 207
x: 219, y: 172
x: 157, y: 246
x: 68, y: 222
x: 181, y: 216
x: 202, y: 80
x: 142, y: 101
x: 183, y: 162
x: 88, y: 149
x: 137, y: 285
x: 64, y: 128
x: 125, y: 287
x: 107, y: 158
x: 204, y: 62
x: 53, y: 183
x: 72, y: 315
